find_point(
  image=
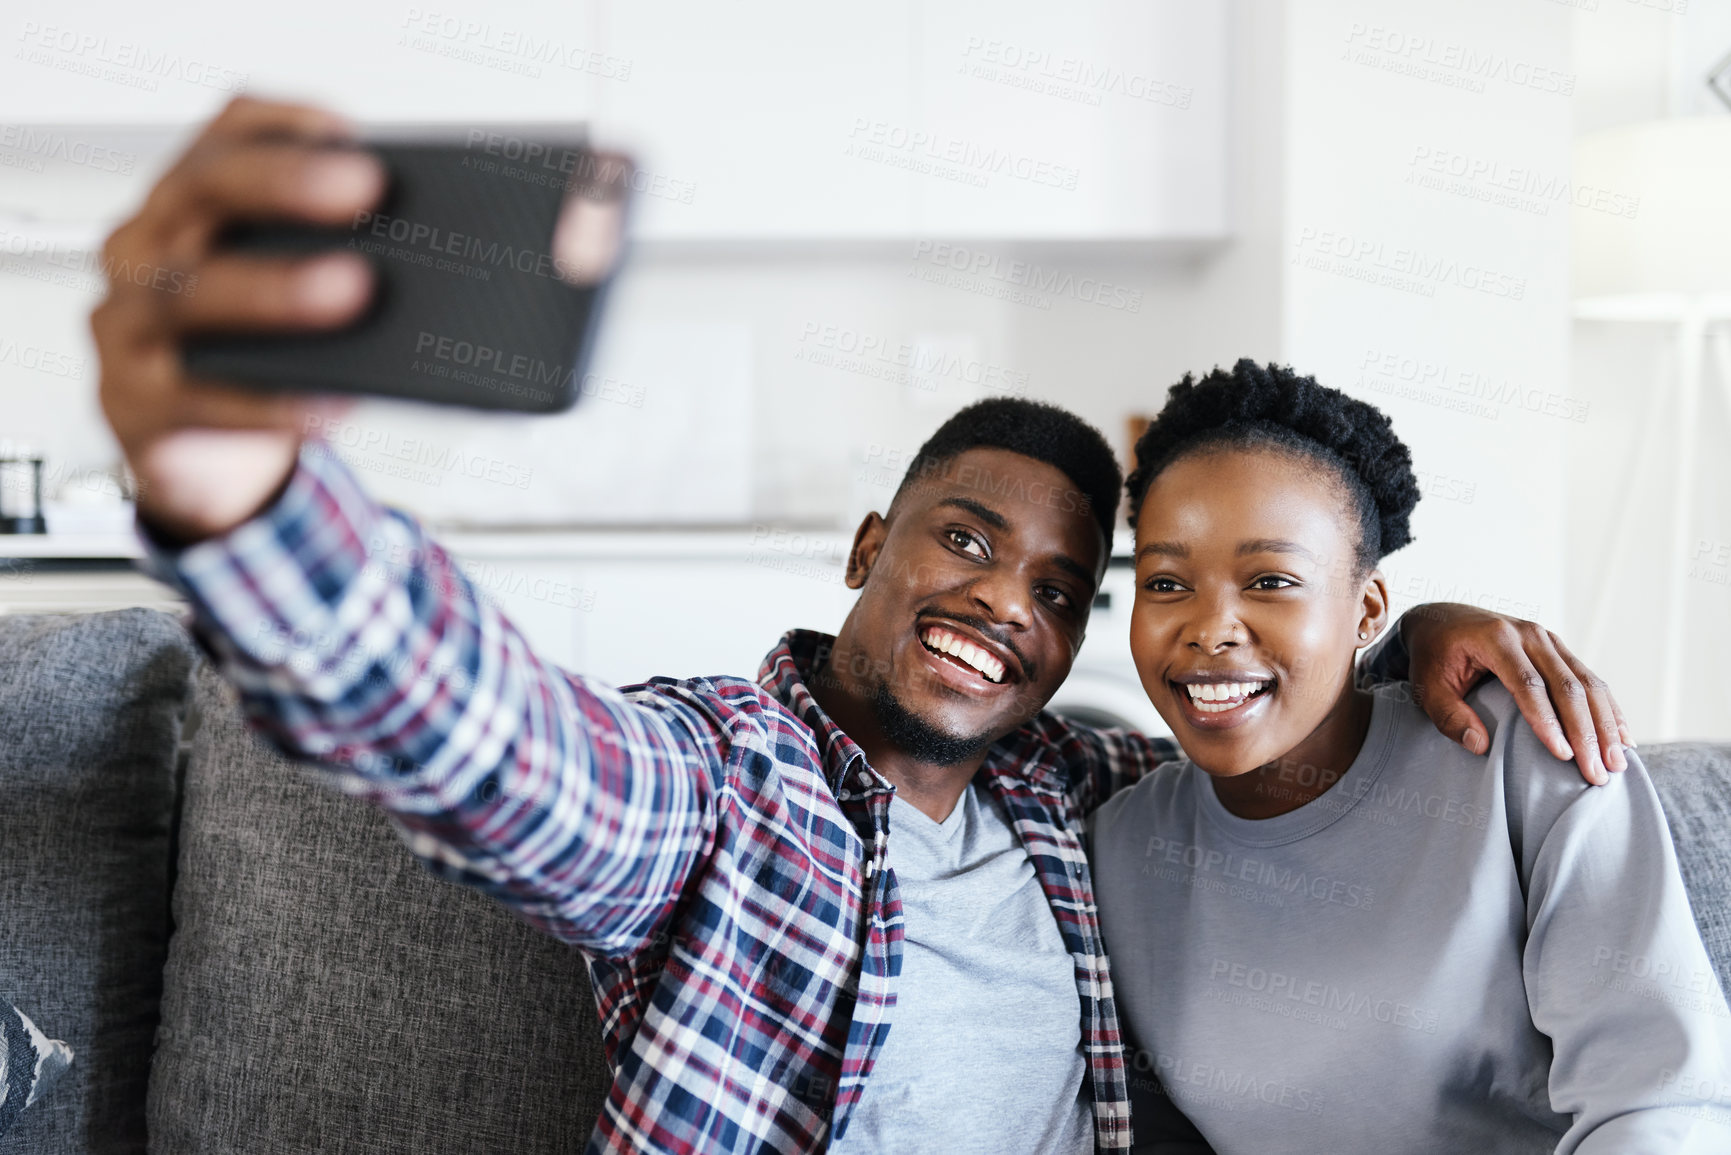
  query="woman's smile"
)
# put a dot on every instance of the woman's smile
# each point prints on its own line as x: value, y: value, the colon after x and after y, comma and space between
x: 1221, y: 700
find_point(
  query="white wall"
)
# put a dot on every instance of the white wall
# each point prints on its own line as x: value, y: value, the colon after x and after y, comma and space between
x: 1422, y: 301
x: 1645, y: 62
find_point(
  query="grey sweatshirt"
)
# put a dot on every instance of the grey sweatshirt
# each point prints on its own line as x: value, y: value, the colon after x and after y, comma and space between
x: 1442, y: 953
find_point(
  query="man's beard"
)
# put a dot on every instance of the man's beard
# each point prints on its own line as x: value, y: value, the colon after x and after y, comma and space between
x: 918, y: 738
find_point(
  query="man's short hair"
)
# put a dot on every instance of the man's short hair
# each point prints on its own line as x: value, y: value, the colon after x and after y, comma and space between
x: 1034, y: 429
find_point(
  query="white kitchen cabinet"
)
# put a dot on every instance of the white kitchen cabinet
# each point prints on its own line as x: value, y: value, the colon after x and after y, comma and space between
x: 621, y: 606
x: 626, y: 606
x: 627, y: 619
x: 746, y: 114
x: 107, y: 62
x: 1104, y: 119
x: 754, y: 120
x: 685, y: 617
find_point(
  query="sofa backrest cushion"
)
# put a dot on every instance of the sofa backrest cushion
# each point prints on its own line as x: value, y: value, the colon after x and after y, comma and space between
x: 325, y: 993
x: 1694, y: 784
x: 90, y: 723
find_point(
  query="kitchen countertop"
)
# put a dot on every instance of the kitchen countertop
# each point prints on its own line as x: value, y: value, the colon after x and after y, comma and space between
x: 722, y: 543
x: 70, y: 546
x: 719, y: 543
x: 551, y: 544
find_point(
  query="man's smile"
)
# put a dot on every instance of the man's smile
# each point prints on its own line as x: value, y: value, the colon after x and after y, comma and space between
x: 965, y: 658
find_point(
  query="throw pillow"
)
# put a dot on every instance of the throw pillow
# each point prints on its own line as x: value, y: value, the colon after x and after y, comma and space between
x: 29, y: 1063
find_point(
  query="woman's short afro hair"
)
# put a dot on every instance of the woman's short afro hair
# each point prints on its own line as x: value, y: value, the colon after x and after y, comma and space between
x: 1270, y: 406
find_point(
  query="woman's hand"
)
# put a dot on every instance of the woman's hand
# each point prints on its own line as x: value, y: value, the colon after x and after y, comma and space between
x: 209, y: 457
x: 1451, y: 647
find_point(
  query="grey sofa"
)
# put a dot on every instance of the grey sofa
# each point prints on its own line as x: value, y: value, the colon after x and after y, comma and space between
x: 245, y: 961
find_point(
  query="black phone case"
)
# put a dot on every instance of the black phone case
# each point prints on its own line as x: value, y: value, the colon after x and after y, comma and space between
x: 467, y: 308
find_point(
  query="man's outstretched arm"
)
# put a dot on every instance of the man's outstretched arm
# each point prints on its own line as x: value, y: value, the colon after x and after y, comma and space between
x: 352, y: 637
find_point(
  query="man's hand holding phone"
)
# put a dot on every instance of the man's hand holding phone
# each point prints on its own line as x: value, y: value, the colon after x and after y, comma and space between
x: 208, y: 457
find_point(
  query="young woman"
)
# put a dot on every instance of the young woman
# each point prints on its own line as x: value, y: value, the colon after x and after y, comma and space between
x: 1329, y: 930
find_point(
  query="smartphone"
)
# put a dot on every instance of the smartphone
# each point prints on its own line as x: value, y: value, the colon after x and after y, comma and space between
x: 492, y: 248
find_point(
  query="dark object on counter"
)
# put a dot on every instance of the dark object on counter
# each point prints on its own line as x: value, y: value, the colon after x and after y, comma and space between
x: 21, y: 495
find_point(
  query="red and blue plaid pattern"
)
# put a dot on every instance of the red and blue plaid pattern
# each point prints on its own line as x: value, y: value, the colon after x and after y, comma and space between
x: 714, y: 845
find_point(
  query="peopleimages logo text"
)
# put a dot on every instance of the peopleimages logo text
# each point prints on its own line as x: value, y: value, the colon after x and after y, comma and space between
x: 435, y: 240
x: 41, y: 144
x: 1493, y: 176
x: 1043, y: 71
x: 1407, y: 265
x: 979, y: 263
x: 524, y: 45
x: 967, y: 156
x: 486, y: 359
x: 1426, y: 57
x: 96, y: 49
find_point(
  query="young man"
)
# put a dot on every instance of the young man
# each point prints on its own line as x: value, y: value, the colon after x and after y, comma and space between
x: 719, y: 847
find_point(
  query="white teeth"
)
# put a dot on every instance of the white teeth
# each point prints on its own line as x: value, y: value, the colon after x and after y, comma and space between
x: 945, y: 642
x: 1216, y: 697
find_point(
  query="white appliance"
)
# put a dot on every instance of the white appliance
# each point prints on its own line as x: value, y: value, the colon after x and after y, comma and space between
x: 1103, y: 689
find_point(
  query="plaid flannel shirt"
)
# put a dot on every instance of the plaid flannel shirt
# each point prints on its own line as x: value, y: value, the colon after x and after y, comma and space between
x: 715, y: 846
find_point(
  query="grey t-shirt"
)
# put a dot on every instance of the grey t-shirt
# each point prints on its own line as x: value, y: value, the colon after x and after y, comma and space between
x: 984, y: 1052
x: 1442, y: 953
